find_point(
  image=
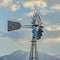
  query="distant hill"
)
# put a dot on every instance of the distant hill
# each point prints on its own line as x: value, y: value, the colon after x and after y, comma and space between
x: 58, y: 55
x: 21, y: 55
x: 44, y: 56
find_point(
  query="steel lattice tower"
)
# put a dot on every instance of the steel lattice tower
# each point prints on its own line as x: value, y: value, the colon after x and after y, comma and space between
x: 33, y: 51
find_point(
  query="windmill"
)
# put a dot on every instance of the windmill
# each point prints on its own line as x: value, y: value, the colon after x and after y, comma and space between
x: 36, y: 33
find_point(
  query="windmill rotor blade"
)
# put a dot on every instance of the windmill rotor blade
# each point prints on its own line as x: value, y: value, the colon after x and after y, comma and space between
x: 13, y: 25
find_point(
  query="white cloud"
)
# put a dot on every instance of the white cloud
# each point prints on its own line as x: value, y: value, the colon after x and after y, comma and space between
x: 23, y: 41
x: 53, y: 28
x: 51, y: 39
x: 23, y: 49
x: 30, y: 13
x: 6, y: 38
x: 5, y: 3
x: 55, y: 6
x: 10, y: 4
x: 31, y: 4
x: 27, y: 4
x: 14, y: 7
x: 19, y: 19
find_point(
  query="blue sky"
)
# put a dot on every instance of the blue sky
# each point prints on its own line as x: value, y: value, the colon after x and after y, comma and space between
x: 21, y: 11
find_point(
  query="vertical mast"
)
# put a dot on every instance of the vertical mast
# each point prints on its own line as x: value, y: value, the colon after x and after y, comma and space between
x: 33, y: 52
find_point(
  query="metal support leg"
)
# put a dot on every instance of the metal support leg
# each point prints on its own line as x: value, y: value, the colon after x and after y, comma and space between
x: 33, y: 51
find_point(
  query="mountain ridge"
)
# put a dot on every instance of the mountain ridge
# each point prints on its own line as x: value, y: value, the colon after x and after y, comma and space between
x: 22, y: 55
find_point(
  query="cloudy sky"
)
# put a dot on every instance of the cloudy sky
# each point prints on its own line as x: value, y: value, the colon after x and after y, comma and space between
x: 21, y: 11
